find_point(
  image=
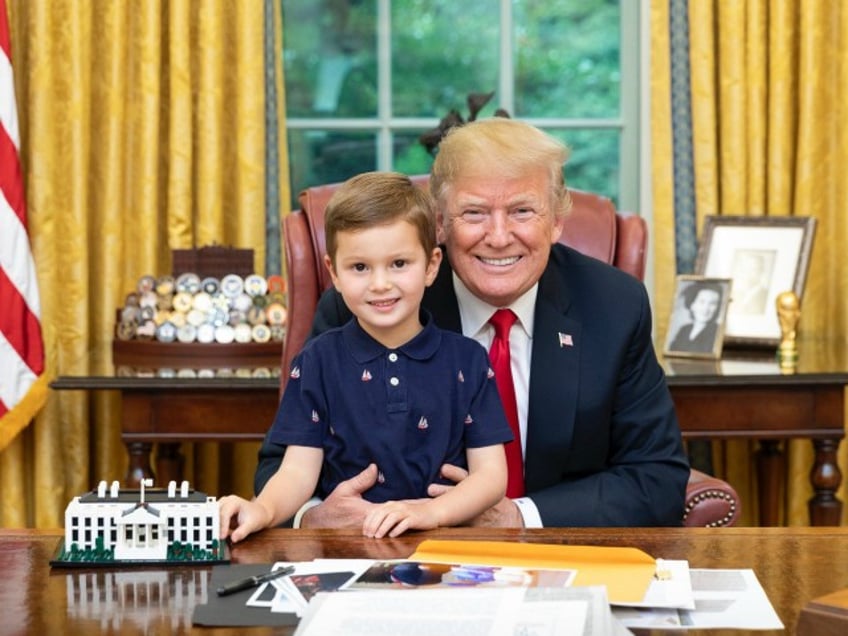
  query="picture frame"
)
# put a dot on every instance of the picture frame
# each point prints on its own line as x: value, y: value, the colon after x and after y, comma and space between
x: 763, y: 256
x: 698, y: 316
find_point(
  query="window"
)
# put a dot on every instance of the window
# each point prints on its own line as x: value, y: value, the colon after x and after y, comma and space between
x: 364, y: 78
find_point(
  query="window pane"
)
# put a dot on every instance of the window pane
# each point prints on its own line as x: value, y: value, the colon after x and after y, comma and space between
x: 410, y: 156
x: 327, y: 156
x: 441, y: 51
x: 330, y: 58
x: 565, y: 65
x: 567, y: 58
x: 594, y: 161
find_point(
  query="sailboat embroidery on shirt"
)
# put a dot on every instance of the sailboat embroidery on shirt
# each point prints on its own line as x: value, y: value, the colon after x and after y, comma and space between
x: 315, y: 417
x: 460, y: 377
x: 469, y: 419
x: 422, y: 423
x: 366, y: 376
x: 490, y: 374
x: 295, y: 373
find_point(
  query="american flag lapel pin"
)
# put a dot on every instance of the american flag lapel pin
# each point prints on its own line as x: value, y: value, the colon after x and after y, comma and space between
x: 565, y: 340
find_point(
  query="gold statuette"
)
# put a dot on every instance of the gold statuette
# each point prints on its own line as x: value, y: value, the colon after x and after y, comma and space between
x: 788, y: 314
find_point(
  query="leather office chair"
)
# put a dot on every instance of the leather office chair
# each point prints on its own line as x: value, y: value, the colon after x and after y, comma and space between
x: 593, y: 227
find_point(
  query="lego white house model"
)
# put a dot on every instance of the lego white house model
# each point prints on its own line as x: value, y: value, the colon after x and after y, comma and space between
x: 133, y: 525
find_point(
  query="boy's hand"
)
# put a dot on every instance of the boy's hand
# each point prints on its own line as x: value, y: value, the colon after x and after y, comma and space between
x: 393, y: 518
x: 242, y: 517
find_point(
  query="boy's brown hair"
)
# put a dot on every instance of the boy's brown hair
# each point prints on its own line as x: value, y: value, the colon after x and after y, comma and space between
x: 377, y: 198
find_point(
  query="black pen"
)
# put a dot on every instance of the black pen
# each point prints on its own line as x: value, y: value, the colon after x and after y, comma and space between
x: 254, y: 581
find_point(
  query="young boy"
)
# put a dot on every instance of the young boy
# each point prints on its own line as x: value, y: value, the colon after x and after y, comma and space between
x: 389, y: 388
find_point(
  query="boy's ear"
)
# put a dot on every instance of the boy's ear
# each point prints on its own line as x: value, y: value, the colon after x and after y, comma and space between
x: 328, y: 263
x: 433, y: 266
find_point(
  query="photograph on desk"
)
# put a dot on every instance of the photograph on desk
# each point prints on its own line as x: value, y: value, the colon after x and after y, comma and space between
x: 696, y: 326
x: 418, y: 574
x: 763, y: 256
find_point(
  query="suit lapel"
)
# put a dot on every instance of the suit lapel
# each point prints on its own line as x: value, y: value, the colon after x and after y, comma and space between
x: 554, y: 379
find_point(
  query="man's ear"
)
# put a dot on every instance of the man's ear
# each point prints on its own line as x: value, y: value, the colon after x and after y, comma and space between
x: 433, y: 266
x: 556, y: 228
x: 440, y: 227
x: 328, y: 263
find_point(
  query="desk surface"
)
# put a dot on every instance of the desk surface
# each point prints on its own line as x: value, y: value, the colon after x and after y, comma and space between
x: 794, y: 565
x: 820, y: 361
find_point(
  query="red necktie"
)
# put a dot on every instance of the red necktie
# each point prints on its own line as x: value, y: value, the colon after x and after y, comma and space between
x: 502, y: 320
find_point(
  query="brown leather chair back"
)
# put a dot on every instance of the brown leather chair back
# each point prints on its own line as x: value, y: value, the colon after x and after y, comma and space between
x: 593, y: 227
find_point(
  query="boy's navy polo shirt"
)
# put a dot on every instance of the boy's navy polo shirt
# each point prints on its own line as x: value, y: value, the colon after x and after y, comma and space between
x: 409, y: 410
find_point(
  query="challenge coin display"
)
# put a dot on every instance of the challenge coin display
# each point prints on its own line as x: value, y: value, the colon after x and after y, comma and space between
x: 188, y: 309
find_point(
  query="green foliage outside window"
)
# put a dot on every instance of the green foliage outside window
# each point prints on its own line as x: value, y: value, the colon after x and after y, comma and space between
x: 565, y: 66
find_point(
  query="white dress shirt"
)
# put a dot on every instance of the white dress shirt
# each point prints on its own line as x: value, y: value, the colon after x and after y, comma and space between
x: 474, y: 315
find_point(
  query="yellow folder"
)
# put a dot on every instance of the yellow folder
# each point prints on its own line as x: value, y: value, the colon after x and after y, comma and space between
x: 626, y: 572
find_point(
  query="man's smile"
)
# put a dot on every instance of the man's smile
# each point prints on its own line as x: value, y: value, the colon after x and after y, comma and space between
x: 500, y: 262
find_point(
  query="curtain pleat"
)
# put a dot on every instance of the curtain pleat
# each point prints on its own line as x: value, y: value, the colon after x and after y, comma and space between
x: 143, y: 130
x: 769, y: 84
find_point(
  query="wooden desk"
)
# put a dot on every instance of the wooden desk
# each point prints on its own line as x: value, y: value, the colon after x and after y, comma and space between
x: 741, y: 397
x: 166, y: 409
x: 745, y: 395
x: 794, y: 565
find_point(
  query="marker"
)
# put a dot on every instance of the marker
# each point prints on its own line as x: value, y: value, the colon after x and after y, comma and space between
x: 254, y: 581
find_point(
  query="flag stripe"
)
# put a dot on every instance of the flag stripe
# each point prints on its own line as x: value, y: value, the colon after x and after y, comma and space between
x: 20, y: 326
x: 10, y: 176
x: 23, y: 385
x: 14, y: 375
x: 15, y: 257
x: 8, y: 108
x: 4, y: 32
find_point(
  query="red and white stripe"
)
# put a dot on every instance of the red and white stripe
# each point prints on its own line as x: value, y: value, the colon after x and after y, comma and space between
x: 21, y: 346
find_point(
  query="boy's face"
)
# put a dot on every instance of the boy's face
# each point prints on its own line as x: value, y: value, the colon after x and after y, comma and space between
x: 381, y: 272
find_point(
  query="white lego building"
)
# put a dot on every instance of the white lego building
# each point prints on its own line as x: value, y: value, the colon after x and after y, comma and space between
x: 142, y: 524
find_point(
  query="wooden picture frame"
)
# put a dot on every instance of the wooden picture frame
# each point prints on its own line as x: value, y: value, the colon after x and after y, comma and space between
x: 763, y: 256
x: 696, y: 326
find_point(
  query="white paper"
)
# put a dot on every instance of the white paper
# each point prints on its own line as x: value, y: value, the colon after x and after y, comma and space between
x: 724, y: 599
x: 461, y: 612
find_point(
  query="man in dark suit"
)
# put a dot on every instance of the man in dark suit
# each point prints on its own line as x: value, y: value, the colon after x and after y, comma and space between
x: 599, y: 436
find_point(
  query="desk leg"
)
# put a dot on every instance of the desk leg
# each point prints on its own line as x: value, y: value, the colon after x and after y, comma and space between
x: 825, y: 507
x: 169, y: 463
x: 139, y: 466
x: 771, y: 466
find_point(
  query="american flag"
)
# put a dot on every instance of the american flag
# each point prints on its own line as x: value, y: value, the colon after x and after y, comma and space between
x: 565, y: 340
x: 23, y: 387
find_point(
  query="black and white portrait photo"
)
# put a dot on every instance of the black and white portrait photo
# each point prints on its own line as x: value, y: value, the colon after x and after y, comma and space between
x: 696, y: 325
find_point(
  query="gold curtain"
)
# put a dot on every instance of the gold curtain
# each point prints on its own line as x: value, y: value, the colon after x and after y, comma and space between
x: 143, y: 130
x: 769, y: 88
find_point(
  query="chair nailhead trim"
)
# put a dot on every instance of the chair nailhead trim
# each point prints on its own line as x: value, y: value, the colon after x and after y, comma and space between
x: 713, y: 494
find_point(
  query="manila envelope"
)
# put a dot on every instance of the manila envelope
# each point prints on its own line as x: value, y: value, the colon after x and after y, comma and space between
x: 626, y: 572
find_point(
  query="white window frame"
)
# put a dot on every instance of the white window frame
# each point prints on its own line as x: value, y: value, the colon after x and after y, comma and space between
x: 632, y: 122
